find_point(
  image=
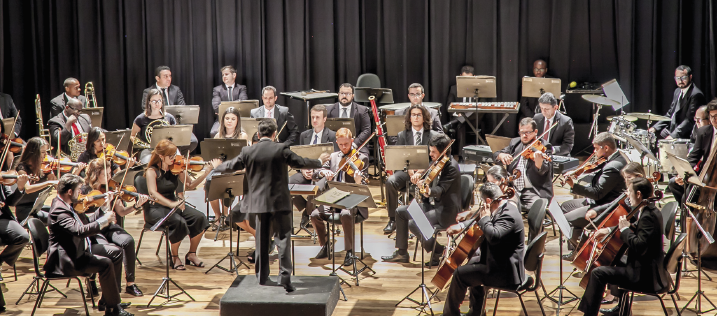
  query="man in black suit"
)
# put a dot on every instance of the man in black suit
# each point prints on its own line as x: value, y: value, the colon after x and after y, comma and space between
x: 330, y: 172
x: 500, y: 259
x: 268, y: 197
x: 12, y: 235
x: 72, y: 91
x: 7, y: 110
x: 229, y: 91
x: 72, y: 254
x: 416, y: 95
x: 454, y: 125
x: 68, y: 124
x: 446, y: 192
x: 685, y: 101
x: 562, y: 136
x: 418, y: 132
x: 701, y: 119
x: 279, y: 113
x: 644, y: 269
x: 346, y: 107
x: 528, y: 105
x: 607, y: 184
x: 536, y: 174
x: 171, y: 94
x: 319, y: 134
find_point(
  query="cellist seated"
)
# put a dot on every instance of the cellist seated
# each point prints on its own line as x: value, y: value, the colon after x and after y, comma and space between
x: 441, y: 212
x: 644, y: 269
x: 500, y: 262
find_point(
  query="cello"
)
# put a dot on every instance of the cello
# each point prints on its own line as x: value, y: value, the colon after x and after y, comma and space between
x: 704, y: 212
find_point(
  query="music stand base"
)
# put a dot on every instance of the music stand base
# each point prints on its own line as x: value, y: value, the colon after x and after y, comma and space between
x: 168, y: 297
x: 560, y: 299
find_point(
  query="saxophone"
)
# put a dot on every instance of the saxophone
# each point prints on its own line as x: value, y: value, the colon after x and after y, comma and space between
x: 44, y: 133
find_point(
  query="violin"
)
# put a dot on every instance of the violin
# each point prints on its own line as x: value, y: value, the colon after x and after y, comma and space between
x: 590, y: 165
x: 10, y: 177
x: 351, y: 164
x: 537, y: 145
x: 50, y: 164
x: 94, y: 198
x: 16, y: 144
x: 127, y: 193
x: 435, y: 169
x: 110, y: 153
x: 181, y: 164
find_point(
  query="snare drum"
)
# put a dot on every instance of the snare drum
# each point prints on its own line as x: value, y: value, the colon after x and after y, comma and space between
x: 620, y: 126
x: 645, y: 137
x: 679, y: 147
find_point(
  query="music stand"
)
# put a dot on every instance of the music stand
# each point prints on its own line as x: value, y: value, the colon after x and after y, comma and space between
x: 497, y: 143
x: 334, y: 123
x: 534, y: 87
x: 395, y: 124
x: 251, y: 125
x: 224, y: 149
x: 476, y: 87
x: 307, y: 96
x: 179, y: 135
x: 129, y: 180
x: 227, y: 186
x: 406, y: 157
x: 244, y: 106
x: 95, y: 115
x: 565, y: 231
x: 185, y: 114
x: 313, y: 151
x: 382, y: 95
x: 613, y: 91
x: 119, y: 138
x: 39, y: 203
x: 7, y: 123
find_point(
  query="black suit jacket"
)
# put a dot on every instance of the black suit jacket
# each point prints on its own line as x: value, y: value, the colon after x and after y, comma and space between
x: 327, y: 136
x: 57, y: 129
x: 266, y: 165
x: 703, y: 146
x: 221, y: 93
x: 681, y: 124
x: 173, y: 93
x: 362, y: 121
x: 446, y: 190
x: 607, y: 184
x: 540, y: 179
x: 66, y: 254
x: 8, y: 109
x: 562, y: 137
x: 59, y: 102
x: 282, y: 114
x: 9, y: 197
x: 405, y: 137
x: 645, y: 255
x: 502, y: 249
x: 435, y: 120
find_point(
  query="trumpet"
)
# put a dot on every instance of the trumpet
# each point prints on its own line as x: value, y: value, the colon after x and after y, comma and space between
x: 44, y: 133
x: 90, y: 95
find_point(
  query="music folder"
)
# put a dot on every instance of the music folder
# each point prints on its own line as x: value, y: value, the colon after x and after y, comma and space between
x: 185, y: 114
x: 472, y: 86
x: 244, y: 106
x: 355, y: 188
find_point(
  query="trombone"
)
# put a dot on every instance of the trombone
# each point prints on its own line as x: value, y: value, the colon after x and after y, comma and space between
x: 44, y: 132
x: 90, y: 95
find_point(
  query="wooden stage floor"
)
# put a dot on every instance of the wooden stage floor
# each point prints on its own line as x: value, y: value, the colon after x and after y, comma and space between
x: 376, y: 295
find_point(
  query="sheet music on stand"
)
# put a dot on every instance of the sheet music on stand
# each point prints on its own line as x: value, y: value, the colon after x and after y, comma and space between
x: 335, y: 123
x: 560, y: 219
x: 95, y: 115
x: 244, y: 106
x: 251, y: 125
x: 120, y: 139
x: 534, y: 87
x: 472, y: 86
x: 39, y: 203
x: 312, y: 151
x: 416, y: 212
x: 613, y: 92
x: 179, y: 135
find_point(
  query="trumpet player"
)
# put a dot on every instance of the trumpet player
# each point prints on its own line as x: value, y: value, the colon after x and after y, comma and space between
x: 72, y: 91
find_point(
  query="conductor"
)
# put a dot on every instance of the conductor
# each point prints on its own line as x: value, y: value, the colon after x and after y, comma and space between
x: 267, y: 196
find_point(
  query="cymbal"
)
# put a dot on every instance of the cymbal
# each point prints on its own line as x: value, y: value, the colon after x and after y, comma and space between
x: 649, y: 116
x: 626, y: 117
x: 594, y: 98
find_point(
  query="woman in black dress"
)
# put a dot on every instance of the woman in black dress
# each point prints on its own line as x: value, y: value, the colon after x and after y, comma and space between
x: 154, y: 111
x: 162, y: 186
x: 95, y: 145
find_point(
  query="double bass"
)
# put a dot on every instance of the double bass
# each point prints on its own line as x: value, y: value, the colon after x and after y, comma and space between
x: 705, y: 214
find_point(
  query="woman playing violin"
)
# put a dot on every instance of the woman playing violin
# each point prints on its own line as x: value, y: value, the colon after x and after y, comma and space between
x: 97, y: 175
x: 95, y: 146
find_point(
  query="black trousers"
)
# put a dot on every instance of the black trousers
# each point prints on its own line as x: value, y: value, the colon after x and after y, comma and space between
x: 471, y: 277
x: 677, y: 190
x: 443, y: 219
x: 182, y: 223
x: 281, y: 222
x: 119, y: 237
x: 106, y: 260
x: 301, y: 204
x: 575, y: 211
x: 599, y: 278
x: 14, y: 238
x: 395, y: 183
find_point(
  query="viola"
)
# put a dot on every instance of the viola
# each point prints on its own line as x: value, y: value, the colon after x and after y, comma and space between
x: 16, y: 144
x: 590, y: 165
x: 110, y: 153
x: 127, y: 193
x: 94, y: 198
x: 50, y: 164
x: 181, y: 164
x: 435, y: 169
x: 351, y: 163
x: 10, y: 177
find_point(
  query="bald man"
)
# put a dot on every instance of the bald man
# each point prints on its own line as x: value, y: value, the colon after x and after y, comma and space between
x: 529, y: 106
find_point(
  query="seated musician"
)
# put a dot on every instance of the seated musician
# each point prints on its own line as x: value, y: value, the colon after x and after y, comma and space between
x: 528, y: 105
x: 95, y: 145
x: 72, y: 91
x: 700, y: 153
x: 229, y: 91
x: 71, y: 252
x: 287, y: 128
x: 10, y: 157
x: 499, y: 260
x: 170, y: 94
x: 446, y: 193
x: 12, y: 235
x: 7, y: 110
x: 562, y: 136
x: 347, y: 108
x: 452, y: 125
x: 701, y: 119
x: 536, y: 173
x: 162, y: 185
x: 606, y: 185
x: 30, y: 163
x: 418, y: 131
x: 644, y: 269
x: 68, y: 124
x: 416, y: 95
x: 96, y: 179
x: 685, y: 101
x: 318, y: 134
x: 345, y: 142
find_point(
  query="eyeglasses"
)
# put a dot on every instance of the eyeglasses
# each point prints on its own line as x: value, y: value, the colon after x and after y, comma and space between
x: 416, y: 115
x: 415, y: 95
x: 713, y: 117
x: 683, y: 78
x: 539, y: 69
x: 525, y: 133
x: 345, y: 94
x: 155, y: 101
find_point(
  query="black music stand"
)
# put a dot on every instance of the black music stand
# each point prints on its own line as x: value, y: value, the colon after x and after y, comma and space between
x: 395, y: 124
x: 307, y: 96
x: 227, y: 187
x: 534, y: 87
x: 224, y: 149
x: 179, y: 135
x: 313, y: 151
x: 563, y: 226
x: 95, y: 115
x: 39, y: 203
x: 185, y: 114
x: 120, y: 138
x: 334, y: 123
x: 251, y: 125
x: 477, y: 87
x: 244, y: 106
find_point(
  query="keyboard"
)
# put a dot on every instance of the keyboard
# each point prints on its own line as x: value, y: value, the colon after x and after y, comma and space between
x: 563, y: 164
x: 484, y: 107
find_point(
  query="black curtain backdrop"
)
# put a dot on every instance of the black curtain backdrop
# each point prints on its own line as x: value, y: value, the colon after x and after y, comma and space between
x: 296, y: 45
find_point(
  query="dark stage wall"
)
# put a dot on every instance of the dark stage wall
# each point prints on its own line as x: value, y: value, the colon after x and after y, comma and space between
x: 296, y: 45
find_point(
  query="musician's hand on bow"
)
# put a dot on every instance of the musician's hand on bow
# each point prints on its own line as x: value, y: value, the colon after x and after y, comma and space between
x: 179, y: 204
x: 463, y: 216
x: 328, y: 174
x: 130, y: 163
x: 141, y: 199
x: 109, y: 197
x: 324, y: 157
x: 454, y: 229
x: 80, y: 166
x: 624, y: 223
x: 307, y: 173
x: 680, y: 180
x: 505, y: 159
x: 538, y: 158
x: 651, y: 130
x: 415, y: 177
x: 590, y: 214
x: 601, y: 232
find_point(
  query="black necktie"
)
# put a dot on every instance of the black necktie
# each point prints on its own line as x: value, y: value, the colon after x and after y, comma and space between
x: 231, y: 96
x: 165, y: 96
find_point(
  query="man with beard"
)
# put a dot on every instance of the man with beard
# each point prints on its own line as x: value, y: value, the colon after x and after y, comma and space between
x: 346, y: 107
x: 685, y: 101
x: 416, y: 93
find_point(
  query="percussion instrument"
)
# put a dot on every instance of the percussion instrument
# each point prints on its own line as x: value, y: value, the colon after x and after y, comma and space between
x: 679, y: 147
x: 649, y: 116
x: 598, y: 99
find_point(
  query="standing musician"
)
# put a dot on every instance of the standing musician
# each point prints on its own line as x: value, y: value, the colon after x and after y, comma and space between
x: 268, y: 196
x: 346, y: 107
x: 644, y: 270
x: 418, y: 131
x: 72, y: 91
x: 499, y: 260
x: 318, y: 134
x: 606, y: 185
x: 229, y: 91
x: 562, y: 136
x: 68, y: 124
x: 162, y: 186
x: 685, y: 101
x: 536, y: 173
x: 71, y: 252
x: 170, y: 94
x: 345, y: 142
x: 97, y: 176
x: 528, y: 105
x: 280, y: 113
x: 416, y: 95
x: 7, y: 110
x: 95, y: 146
x: 446, y: 193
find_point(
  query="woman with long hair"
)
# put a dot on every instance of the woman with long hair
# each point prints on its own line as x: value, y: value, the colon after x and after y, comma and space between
x: 162, y: 186
x: 153, y: 111
x: 96, y: 143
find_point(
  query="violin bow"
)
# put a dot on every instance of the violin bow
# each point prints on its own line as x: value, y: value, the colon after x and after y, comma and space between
x: 9, y: 138
x: 537, y: 139
x: 357, y: 151
x: 277, y: 134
